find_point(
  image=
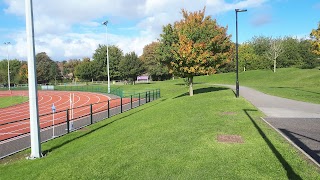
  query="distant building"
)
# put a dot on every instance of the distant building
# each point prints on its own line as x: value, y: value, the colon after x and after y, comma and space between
x: 143, y: 79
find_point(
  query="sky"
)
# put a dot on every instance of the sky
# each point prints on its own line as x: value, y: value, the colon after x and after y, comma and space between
x: 72, y: 29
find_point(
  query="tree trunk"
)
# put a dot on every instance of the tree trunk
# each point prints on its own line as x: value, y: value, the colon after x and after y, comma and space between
x: 274, y: 65
x: 190, y: 85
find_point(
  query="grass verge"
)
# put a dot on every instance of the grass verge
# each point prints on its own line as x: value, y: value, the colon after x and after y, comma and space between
x: 12, y: 100
x: 174, y: 137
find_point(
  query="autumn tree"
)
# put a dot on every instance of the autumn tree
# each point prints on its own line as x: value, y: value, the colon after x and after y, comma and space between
x: 198, y: 45
x: 315, y: 36
x: 131, y: 67
x: 151, y: 59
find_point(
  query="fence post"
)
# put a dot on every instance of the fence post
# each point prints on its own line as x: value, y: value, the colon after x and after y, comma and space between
x: 91, y: 119
x: 109, y: 108
x: 159, y: 94
x: 156, y: 93
x: 139, y: 99
x: 120, y: 105
x: 149, y: 96
x: 146, y: 97
x: 152, y: 95
x: 131, y: 102
x: 68, y: 125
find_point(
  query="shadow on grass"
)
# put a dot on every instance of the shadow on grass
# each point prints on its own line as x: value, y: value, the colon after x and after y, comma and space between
x: 290, y: 172
x: 297, y: 89
x: 203, y: 90
x: 45, y: 152
x: 299, y: 143
x: 184, y: 84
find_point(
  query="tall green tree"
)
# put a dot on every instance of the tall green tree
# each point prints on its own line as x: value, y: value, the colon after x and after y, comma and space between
x: 47, y: 69
x: 261, y: 45
x: 4, y: 71
x: 100, y: 58
x: 131, y: 67
x: 309, y: 58
x: 86, y: 71
x: 151, y: 59
x: 198, y: 44
x: 291, y: 53
x: 248, y: 60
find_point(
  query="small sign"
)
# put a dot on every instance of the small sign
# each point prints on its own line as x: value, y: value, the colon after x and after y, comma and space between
x: 53, y: 108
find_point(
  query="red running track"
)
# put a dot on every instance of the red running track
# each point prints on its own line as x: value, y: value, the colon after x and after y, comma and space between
x: 61, y: 101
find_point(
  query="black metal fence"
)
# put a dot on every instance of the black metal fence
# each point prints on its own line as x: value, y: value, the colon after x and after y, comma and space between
x: 63, y: 122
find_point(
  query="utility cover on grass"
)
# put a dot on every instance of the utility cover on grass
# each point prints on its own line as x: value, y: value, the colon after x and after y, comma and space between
x: 230, y: 139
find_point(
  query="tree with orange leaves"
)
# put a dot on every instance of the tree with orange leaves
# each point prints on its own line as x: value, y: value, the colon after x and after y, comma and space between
x: 315, y: 40
x: 198, y: 46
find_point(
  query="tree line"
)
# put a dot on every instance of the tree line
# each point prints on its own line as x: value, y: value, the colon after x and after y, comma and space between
x: 195, y: 45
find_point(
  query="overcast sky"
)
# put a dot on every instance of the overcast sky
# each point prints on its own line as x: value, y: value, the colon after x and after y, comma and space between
x: 67, y: 29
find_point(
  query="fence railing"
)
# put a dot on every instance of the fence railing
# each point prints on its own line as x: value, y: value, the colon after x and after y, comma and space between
x: 63, y: 122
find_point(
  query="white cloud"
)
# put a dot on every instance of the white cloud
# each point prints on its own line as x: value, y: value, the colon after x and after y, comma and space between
x: 70, y: 28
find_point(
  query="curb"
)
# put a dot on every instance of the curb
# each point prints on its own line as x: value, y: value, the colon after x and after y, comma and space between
x: 292, y: 143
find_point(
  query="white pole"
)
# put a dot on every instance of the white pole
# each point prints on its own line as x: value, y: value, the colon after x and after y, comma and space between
x: 106, y: 24
x: 7, y: 43
x: 33, y: 95
x: 70, y: 107
x: 72, y: 104
x: 53, y: 124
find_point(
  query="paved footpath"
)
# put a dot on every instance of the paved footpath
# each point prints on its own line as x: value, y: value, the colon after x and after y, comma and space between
x: 298, y: 121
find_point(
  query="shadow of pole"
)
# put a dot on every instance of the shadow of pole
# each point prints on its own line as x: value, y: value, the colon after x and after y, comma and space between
x: 290, y: 172
x: 312, y: 153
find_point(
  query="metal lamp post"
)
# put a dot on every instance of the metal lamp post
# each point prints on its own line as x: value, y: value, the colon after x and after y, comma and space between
x: 106, y: 24
x: 237, y: 61
x: 7, y: 43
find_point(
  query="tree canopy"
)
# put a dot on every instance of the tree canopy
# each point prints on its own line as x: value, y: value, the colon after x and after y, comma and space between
x: 315, y: 36
x: 198, y: 46
x: 131, y: 67
x: 47, y: 69
x: 115, y: 56
x: 151, y: 59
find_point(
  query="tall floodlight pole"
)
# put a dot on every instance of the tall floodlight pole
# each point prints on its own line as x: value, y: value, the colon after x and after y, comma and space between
x: 106, y: 24
x: 237, y: 60
x: 32, y: 82
x: 7, y: 43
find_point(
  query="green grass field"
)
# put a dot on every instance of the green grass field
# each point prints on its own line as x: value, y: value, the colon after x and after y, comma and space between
x: 292, y: 83
x: 174, y: 137
x: 12, y: 100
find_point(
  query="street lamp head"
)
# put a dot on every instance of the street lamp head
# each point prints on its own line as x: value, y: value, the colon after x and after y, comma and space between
x: 240, y: 10
x: 105, y: 23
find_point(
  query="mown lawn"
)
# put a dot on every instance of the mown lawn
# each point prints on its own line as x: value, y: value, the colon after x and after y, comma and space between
x: 174, y: 137
x: 12, y: 100
x: 292, y: 83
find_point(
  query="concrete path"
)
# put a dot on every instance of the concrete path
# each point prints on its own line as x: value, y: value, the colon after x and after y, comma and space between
x: 296, y: 120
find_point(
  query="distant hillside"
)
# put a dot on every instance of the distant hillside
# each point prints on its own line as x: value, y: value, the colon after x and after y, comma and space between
x: 293, y: 83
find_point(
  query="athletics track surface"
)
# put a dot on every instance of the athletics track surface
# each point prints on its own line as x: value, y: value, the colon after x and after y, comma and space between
x: 61, y: 101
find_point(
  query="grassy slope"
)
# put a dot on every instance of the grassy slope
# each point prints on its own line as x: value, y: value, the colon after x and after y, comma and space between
x: 298, y: 84
x: 12, y: 100
x: 174, y: 137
